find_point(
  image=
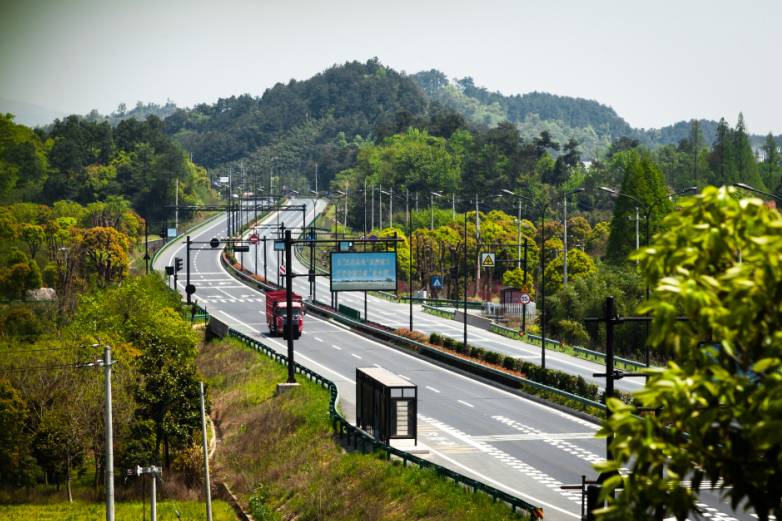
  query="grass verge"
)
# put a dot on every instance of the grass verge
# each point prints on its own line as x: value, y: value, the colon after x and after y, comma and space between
x: 280, y: 456
x: 130, y: 511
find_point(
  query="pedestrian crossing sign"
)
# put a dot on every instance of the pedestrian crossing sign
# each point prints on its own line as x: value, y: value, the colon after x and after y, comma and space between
x: 437, y: 281
x: 487, y: 260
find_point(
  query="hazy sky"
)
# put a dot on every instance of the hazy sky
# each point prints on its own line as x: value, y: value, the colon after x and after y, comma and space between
x: 655, y: 62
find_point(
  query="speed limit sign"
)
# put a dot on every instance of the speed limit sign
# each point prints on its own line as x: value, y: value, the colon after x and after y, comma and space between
x: 525, y: 298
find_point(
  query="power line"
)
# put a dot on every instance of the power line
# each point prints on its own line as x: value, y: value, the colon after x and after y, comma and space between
x: 3, y: 351
x: 41, y: 368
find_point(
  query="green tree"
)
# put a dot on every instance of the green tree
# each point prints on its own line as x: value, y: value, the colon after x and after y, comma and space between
x: 771, y: 167
x: 17, y: 467
x: 642, y: 181
x: 106, y: 253
x: 33, y: 235
x: 719, y: 403
x: 579, y: 264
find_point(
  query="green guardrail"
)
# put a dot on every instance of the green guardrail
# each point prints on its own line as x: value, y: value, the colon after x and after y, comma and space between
x: 349, y: 311
x: 357, y: 436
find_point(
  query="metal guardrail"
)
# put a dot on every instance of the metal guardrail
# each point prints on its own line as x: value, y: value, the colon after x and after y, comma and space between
x: 432, y: 310
x: 356, y: 435
x: 578, y: 349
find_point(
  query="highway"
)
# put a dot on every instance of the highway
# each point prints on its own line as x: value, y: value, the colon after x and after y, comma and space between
x: 500, y: 438
x: 396, y: 315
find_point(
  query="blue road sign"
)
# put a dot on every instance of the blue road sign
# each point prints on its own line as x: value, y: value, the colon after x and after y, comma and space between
x: 279, y: 245
x: 437, y: 281
x: 363, y: 271
x: 345, y: 245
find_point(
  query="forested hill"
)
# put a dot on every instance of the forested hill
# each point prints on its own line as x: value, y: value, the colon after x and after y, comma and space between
x: 591, y: 123
x: 290, y: 127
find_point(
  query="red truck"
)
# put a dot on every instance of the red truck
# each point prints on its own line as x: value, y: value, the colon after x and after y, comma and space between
x: 277, y: 312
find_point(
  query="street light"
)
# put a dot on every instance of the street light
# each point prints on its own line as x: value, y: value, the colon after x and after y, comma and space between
x: 432, y: 195
x: 647, y: 216
x: 564, y: 253
x: 745, y: 186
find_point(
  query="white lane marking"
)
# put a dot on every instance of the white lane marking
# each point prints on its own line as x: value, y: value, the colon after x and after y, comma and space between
x: 355, y: 355
x: 335, y: 346
x: 465, y: 403
x: 436, y: 367
x: 221, y: 290
x: 526, y: 469
x: 318, y: 338
x: 494, y: 482
x: 310, y: 360
x: 403, y: 376
x: 433, y: 389
x: 378, y: 365
x: 238, y: 321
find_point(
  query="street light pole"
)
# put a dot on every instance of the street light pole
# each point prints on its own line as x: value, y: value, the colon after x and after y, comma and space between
x: 564, y: 258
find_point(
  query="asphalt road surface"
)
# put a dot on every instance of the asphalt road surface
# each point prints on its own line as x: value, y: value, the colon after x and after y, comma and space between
x: 502, y: 439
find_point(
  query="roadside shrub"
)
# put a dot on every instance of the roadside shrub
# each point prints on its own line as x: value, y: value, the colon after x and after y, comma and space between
x: 436, y: 339
x: 509, y: 363
x: 492, y: 357
x: 448, y: 342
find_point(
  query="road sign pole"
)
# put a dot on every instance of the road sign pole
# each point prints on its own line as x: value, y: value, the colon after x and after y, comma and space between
x: 264, y: 259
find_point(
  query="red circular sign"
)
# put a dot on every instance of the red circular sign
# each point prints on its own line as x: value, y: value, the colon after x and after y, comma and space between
x: 253, y: 239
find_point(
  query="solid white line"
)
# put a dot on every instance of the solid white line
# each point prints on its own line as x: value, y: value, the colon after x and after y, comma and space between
x: 310, y: 360
x: 336, y: 347
x: 465, y: 403
x: 433, y: 389
x: 488, y: 480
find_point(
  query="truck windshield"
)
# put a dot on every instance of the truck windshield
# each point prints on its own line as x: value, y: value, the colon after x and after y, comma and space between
x: 283, y: 312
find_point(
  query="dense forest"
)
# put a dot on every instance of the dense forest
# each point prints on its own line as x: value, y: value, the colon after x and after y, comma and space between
x: 86, y: 162
x: 592, y: 124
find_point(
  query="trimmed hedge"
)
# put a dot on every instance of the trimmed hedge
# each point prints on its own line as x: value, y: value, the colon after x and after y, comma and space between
x: 551, y: 377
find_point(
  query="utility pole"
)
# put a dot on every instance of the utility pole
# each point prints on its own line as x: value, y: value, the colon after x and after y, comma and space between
x: 391, y: 206
x: 380, y: 200
x: 316, y: 178
x: 453, y: 206
x: 373, y: 207
x: 207, y: 485
x: 107, y: 419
